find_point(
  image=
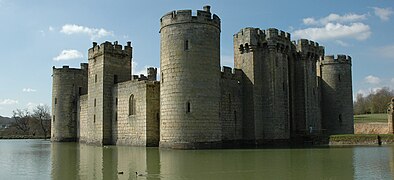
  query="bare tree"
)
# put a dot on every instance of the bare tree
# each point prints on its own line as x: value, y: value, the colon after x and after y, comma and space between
x: 22, y: 120
x: 42, y: 115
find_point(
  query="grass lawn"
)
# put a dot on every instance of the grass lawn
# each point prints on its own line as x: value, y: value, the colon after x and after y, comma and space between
x: 366, y: 118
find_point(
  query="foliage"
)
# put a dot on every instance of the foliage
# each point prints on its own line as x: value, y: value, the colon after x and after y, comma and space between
x: 375, y: 102
x: 37, y: 121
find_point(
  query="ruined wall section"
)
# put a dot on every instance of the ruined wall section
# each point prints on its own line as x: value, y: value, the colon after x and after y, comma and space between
x: 306, y: 85
x: 67, y: 85
x: 108, y: 64
x: 231, y: 115
x: 337, y: 97
x: 135, y: 113
x: 190, y: 67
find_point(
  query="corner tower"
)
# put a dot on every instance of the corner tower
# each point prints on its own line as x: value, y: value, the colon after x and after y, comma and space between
x: 190, y: 74
x: 108, y: 64
x: 337, y: 97
x: 67, y: 85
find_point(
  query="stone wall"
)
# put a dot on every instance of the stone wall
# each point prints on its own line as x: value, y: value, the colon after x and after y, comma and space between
x: 83, y: 129
x: 231, y: 114
x: 135, y: 118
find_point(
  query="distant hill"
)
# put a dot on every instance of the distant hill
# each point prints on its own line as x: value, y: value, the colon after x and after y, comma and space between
x: 6, y: 120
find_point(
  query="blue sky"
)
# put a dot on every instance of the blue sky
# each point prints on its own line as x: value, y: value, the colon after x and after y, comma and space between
x: 36, y: 35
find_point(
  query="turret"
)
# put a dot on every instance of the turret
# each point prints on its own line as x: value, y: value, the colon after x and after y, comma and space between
x: 67, y: 85
x: 152, y: 73
x: 337, y: 97
x: 190, y: 74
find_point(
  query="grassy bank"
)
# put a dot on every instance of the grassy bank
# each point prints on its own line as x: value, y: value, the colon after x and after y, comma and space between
x: 361, y: 139
x: 368, y: 118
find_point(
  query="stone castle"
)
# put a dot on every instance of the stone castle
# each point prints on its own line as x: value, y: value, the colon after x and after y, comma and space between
x: 279, y: 90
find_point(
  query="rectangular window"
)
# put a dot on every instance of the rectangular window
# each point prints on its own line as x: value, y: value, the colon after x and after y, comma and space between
x: 55, y: 100
x: 188, y: 107
x: 53, y: 118
x: 95, y: 78
x: 94, y: 102
x: 187, y: 45
x: 115, y: 79
x: 80, y: 90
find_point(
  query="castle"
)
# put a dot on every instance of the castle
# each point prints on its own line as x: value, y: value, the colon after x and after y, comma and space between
x: 279, y: 90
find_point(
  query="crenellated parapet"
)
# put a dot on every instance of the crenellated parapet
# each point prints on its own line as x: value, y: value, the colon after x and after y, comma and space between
x: 66, y: 69
x: 340, y: 59
x: 252, y: 39
x: 108, y: 48
x: 233, y: 74
x: 309, y: 49
x: 185, y: 16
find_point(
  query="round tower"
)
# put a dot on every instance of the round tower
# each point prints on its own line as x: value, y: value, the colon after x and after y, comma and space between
x: 190, y: 73
x: 337, y: 97
x: 67, y: 85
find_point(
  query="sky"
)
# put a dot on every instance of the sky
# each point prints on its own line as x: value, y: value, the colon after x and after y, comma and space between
x: 36, y: 35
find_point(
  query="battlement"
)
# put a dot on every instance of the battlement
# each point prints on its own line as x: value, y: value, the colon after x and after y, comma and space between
x: 271, y: 33
x: 65, y: 69
x: 250, y: 39
x: 229, y: 73
x: 109, y: 48
x: 340, y: 59
x: 185, y: 16
x: 309, y: 47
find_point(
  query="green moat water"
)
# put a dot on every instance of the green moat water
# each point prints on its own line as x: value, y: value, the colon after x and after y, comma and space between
x: 39, y: 159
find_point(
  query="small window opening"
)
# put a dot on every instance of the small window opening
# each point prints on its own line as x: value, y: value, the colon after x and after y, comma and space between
x: 94, y: 118
x: 94, y: 103
x: 115, y: 79
x: 55, y: 100
x: 116, y: 101
x: 187, y: 45
x: 132, y: 105
x: 241, y: 48
x: 339, y: 77
x: 162, y: 78
x: 188, y: 108
x: 53, y: 118
x: 95, y: 78
x: 116, y: 116
x: 80, y: 90
x: 340, y: 118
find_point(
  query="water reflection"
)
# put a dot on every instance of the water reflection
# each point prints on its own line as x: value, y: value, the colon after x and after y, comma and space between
x: 80, y: 161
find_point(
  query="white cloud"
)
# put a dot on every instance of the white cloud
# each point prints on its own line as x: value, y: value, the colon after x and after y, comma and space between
x: 383, y: 13
x: 357, y: 31
x: 68, y: 54
x: 8, y: 102
x: 31, y: 106
x: 50, y: 28
x: 387, y: 51
x: 342, y: 43
x: 28, y: 90
x: 93, y: 33
x: 335, y: 18
x: 372, y: 79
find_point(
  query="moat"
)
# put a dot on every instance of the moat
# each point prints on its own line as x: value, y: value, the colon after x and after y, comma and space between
x: 39, y: 159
